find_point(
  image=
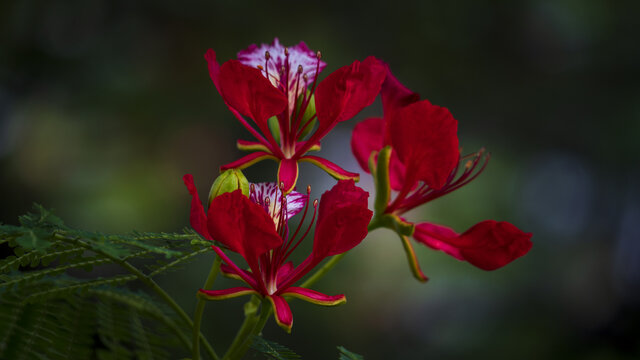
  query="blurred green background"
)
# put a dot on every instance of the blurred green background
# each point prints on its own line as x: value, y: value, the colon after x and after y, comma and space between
x: 104, y: 105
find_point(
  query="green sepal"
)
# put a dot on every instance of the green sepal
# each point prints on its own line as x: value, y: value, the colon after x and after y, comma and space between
x: 380, y: 173
x: 309, y: 115
x: 414, y: 266
x: 229, y: 181
x: 392, y: 222
x: 274, y: 127
x: 251, y: 306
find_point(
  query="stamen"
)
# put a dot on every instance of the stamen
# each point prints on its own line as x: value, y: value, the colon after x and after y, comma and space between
x: 315, y: 211
x: 455, y: 181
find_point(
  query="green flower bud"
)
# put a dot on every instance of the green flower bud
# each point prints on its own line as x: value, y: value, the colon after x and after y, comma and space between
x: 229, y: 181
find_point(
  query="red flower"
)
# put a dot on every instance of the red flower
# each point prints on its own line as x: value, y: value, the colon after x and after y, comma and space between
x: 276, y: 88
x: 425, y: 163
x: 246, y: 228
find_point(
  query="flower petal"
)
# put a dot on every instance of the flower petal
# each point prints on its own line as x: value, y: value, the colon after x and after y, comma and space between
x: 242, y: 226
x: 230, y: 272
x: 248, y: 160
x: 367, y: 137
x: 488, y: 245
x: 299, y: 55
x: 197, y: 217
x: 284, y: 271
x: 245, y: 145
x: 344, y: 93
x: 395, y: 95
x: 214, y: 67
x: 425, y: 139
x: 432, y: 235
x: 245, y: 276
x: 314, y: 297
x: 247, y: 91
x: 295, y: 200
x: 343, y: 218
x: 226, y: 293
x: 348, y: 90
x: 332, y: 169
x: 288, y: 174
x: 282, y: 312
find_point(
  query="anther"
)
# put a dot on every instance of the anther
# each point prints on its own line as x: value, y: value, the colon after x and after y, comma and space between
x: 267, y: 201
x: 281, y: 185
x: 305, y: 77
x: 282, y: 70
x: 260, y: 67
x: 286, y: 52
x: 308, y: 189
x: 315, y: 202
x: 267, y: 56
x: 319, y: 55
x: 467, y: 165
x: 299, y: 69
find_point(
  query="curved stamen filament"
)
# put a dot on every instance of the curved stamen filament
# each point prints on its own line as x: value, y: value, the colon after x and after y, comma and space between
x: 456, y: 180
x: 315, y: 208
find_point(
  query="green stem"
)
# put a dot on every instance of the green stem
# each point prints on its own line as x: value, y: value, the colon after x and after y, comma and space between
x: 247, y: 338
x: 147, y: 281
x: 197, y: 316
x: 249, y: 323
x: 321, y: 272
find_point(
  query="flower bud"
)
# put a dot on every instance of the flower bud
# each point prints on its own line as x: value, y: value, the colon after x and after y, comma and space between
x: 229, y: 181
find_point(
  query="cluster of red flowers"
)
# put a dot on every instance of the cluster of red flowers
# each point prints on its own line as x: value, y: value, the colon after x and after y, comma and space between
x: 413, y: 150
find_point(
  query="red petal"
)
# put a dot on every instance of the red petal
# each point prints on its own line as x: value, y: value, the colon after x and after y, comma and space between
x: 367, y: 137
x: 251, y: 94
x: 488, y: 245
x: 395, y: 95
x: 332, y: 169
x: 242, y: 226
x: 226, y: 293
x: 348, y: 90
x: 424, y: 136
x: 344, y: 93
x: 288, y: 174
x: 214, y: 67
x: 282, y: 312
x: 248, y: 160
x: 244, y: 275
x: 314, y: 297
x: 343, y: 218
x: 198, y: 217
x: 284, y: 271
x: 432, y: 235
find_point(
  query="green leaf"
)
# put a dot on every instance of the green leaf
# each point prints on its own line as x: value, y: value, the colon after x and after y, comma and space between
x: 348, y: 355
x: 34, y: 239
x: 272, y: 350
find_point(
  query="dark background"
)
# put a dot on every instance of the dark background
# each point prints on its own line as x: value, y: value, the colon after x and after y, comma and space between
x: 104, y: 105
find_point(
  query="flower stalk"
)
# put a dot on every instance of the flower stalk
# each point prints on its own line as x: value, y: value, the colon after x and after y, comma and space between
x: 200, y: 305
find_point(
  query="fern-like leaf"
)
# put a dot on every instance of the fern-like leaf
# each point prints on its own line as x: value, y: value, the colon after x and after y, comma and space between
x: 272, y: 350
x: 348, y: 355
